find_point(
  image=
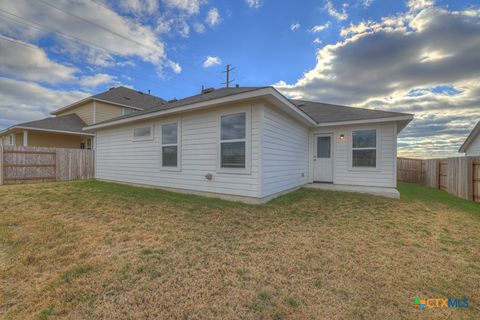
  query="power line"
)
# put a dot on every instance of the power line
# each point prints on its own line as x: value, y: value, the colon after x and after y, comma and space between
x: 40, y: 27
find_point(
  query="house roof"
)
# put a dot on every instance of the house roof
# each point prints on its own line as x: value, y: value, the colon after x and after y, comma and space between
x: 122, y: 96
x: 70, y: 123
x: 475, y: 131
x: 325, y: 113
x: 319, y: 113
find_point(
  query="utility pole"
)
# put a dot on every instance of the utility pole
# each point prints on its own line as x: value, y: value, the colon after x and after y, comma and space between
x: 227, y: 71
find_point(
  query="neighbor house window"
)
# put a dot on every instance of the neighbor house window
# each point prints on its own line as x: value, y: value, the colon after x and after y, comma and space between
x: 364, y: 148
x: 89, y: 143
x: 233, y: 131
x: 11, y: 139
x: 170, y: 145
x: 143, y: 133
x: 126, y: 111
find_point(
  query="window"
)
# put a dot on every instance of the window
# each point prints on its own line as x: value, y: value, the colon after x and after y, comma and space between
x: 170, y: 145
x: 323, y: 147
x: 127, y: 110
x: 142, y: 133
x: 233, y: 131
x: 364, y: 148
x: 11, y: 139
x: 89, y: 143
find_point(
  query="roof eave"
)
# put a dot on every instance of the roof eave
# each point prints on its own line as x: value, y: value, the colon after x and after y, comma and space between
x: 76, y: 104
x: 406, y: 117
x: 49, y: 130
x: 268, y: 91
x: 475, y: 131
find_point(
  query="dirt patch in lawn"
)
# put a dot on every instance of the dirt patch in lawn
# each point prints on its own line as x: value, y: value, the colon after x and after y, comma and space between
x: 84, y: 250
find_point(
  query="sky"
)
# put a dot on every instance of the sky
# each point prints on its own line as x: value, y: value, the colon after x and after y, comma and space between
x: 413, y: 56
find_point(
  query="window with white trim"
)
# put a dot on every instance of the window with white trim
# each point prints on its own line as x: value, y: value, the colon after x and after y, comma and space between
x: 170, y: 145
x: 364, y: 148
x: 233, y: 141
x: 11, y: 139
x: 143, y: 133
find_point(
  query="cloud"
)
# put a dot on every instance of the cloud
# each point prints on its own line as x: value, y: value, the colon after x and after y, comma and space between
x: 190, y: 7
x: 176, y: 68
x: 199, y: 27
x: 401, y: 63
x: 140, y: 7
x: 96, y: 80
x: 294, y: 26
x: 213, y: 17
x: 367, y: 3
x: 320, y: 27
x: 26, y: 101
x: 211, y: 61
x: 27, y: 61
x: 317, y: 41
x: 121, y: 36
x: 254, y: 3
x: 334, y: 13
x: 420, y: 4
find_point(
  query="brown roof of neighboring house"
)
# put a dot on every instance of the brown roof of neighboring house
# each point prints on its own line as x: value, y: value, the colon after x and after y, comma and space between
x: 67, y: 123
x: 121, y: 96
x: 126, y: 96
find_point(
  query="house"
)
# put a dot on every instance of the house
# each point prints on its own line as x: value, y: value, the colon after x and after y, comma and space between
x: 64, y: 130
x: 250, y: 144
x: 471, y: 145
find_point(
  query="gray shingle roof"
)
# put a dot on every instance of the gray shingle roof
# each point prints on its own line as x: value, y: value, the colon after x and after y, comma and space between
x: 319, y: 112
x: 326, y: 113
x: 70, y: 122
x: 215, y: 94
x: 126, y: 96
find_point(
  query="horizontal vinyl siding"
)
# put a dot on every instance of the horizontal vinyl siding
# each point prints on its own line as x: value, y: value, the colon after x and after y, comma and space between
x: 105, y: 111
x: 284, y: 152
x: 121, y: 159
x: 474, y: 148
x: 84, y: 111
x: 383, y: 176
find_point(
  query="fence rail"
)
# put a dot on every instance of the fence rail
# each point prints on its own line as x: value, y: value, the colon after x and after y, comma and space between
x: 36, y: 164
x: 459, y: 176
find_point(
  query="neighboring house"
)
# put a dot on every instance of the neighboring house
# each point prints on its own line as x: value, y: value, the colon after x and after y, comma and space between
x: 250, y: 144
x: 65, y: 129
x: 471, y: 146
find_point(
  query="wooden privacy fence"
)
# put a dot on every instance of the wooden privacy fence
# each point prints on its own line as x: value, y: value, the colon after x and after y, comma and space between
x: 459, y: 176
x: 36, y: 164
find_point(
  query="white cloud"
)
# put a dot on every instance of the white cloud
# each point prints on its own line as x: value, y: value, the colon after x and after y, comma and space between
x: 23, y: 101
x: 188, y: 6
x: 317, y: 41
x: 96, y: 80
x: 320, y: 27
x: 294, y: 26
x: 211, y: 61
x: 139, y: 7
x: 30, y: 62
x: 334, y: 13
x: 135, y: 40
x: 213, y: 17
x: 420, y: 4
x: 176, y: 68
x: 367, y: 3
x: 425, y: 62
x: 199, y: 27
x: 254, y: 3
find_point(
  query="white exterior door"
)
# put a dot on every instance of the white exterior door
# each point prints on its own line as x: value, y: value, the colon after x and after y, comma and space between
x: 323, y: 158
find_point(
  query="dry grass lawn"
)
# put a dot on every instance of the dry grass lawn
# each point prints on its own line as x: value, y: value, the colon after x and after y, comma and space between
x: 92, y: 250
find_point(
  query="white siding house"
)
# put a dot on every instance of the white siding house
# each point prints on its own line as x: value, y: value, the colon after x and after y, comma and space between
x: 471, y: 146
x: 246, y: 144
